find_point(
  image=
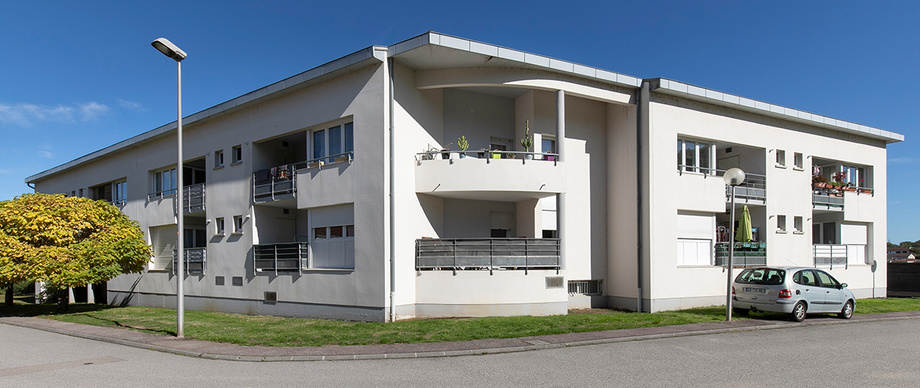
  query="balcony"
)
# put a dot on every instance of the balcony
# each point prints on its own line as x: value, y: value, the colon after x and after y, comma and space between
x: 196, y: 261
x: 838, y: 254
x: 280, y: 257
x: 489, y: 175
x: 746, y: 254
x: 487, y: 254
x: 281, y: 182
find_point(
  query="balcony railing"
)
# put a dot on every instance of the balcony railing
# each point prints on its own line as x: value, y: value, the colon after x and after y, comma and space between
x: 488, y: 156
x: 838, y: 254
x: 196, y: 261
x: 193, y: 198
x: 487, y: 254
x: 277, y: 183
x: 280, y: 257
x: 828, y: 200
x: 746, y: 254
x: 754, y: 187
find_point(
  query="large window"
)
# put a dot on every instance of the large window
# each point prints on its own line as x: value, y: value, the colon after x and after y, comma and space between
x: 120, y: 190
x: 856, y: 176
x: 334, y: 141
x: 695, y: 156
x: 334, y: 246
x: 164, y: 183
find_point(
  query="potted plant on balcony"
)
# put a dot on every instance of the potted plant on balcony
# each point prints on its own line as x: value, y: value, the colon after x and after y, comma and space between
x: 527, y: 142
x: 819, y: 181
x: 463, y: 144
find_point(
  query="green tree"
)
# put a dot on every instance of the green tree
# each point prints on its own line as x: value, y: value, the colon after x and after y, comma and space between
x: 67, y: 242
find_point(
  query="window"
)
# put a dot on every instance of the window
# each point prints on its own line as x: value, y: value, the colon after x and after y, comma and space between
x: 219, y: 226
x: 855, y: 176
x: 81, y: 193
x: 237, y: 154
x: 334, y: 247
x: 781, y: 158
x: 120, y: 190
x: 797, y: 224
x: 333, y: 142
x: 780, y: 224
x: 219, y: 158
x: 798, y: 161
x: 693, y: 156
x: 694, y: 252
x: 164, y: 183
x: 237, y: 224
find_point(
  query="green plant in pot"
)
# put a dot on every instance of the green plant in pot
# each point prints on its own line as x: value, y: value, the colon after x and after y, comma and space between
x: 527, y: 142
x: 463, y: 144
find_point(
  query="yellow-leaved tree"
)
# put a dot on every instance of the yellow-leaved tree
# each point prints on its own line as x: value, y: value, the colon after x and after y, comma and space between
x: 67, y: 242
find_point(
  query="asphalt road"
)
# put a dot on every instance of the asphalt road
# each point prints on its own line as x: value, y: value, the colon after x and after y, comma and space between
x: 882, y: 353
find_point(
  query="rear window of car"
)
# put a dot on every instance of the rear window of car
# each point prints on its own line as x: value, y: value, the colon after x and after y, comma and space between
x: 767, y: 276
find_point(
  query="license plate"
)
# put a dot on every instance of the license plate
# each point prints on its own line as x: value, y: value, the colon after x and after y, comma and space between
x: 755, y: 290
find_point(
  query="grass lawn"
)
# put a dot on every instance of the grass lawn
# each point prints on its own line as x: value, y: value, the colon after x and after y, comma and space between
x: 281, y: 331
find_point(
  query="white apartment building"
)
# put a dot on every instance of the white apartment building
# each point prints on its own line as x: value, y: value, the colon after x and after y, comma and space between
x: 341, y: 192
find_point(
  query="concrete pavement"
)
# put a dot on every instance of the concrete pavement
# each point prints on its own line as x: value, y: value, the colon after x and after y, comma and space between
x: 225, y: 351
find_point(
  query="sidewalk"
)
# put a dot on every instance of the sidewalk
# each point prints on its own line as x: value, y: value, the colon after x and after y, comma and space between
x: 223, y: 351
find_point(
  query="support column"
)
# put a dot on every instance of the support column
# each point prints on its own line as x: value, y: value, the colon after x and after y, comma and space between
x: 560, y: 198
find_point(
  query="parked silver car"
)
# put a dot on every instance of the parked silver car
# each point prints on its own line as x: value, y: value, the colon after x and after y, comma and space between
x: 792, y: 290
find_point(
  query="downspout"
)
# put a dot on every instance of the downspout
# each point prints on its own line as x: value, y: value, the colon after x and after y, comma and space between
x: 392, y: 198
x: 641, y: 126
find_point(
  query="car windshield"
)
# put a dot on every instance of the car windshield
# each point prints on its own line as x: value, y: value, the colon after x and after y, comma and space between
x: 768, y: 276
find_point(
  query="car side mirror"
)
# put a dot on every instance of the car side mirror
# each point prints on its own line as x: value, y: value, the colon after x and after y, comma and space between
x: 843, y: 285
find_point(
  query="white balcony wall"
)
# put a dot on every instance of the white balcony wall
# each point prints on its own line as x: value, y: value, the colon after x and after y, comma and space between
x: 479, y: 293
x: 331, y: 184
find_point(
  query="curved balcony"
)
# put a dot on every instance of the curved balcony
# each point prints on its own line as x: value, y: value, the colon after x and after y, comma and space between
x: 491, y: 175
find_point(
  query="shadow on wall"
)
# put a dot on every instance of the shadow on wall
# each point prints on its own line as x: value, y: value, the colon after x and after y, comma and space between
x: 129, y: 295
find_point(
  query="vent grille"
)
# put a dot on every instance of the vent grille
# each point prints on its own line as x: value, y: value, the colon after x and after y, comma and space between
x: 584, y: 287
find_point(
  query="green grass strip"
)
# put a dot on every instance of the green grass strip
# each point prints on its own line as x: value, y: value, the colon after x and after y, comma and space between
x: 283, y: 331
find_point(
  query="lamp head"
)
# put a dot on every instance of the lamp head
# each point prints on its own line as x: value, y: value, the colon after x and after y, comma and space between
x: 734, y: 176
x: 169, y: 49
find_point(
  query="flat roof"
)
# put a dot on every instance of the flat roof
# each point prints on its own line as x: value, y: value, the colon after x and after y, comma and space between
x: 476, y: 54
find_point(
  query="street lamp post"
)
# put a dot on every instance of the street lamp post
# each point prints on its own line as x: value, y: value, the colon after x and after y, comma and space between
x: 733, y: 177
x: 171, y: 50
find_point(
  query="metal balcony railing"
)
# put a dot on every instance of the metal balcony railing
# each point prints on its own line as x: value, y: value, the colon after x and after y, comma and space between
x: 745, y: 255
x: 193, y: 198
x: 838, y: 254
x: 826, y: 199
x: 753, y: 188
x: 488, y: 156
x: 487, y: 254
x: 280, y: 257
x: 196, y: 261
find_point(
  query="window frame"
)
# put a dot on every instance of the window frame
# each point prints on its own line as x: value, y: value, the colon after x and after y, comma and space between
x: 780, y: 158
x: 238, y: 224
x: 219, y: 226
x: 321, y: 141
x: 218, y: 159
x: 780, y: 223
x: 798, y: 225
x: 236, y: 154
x: 701, y: 151
x: 159, y: 188
x: 798, y: 161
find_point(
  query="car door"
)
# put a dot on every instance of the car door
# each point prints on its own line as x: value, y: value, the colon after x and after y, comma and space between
x: 812, y: 293
x: 834, y: 297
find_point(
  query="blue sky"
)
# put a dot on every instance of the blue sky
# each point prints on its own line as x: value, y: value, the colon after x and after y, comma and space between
x: 76, y: 77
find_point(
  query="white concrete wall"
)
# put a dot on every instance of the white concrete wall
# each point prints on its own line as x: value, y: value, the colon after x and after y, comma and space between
x: 358, y: 293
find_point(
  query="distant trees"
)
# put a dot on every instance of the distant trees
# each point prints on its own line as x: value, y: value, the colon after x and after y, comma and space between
x: 67, y: 242
x: 914, y: 247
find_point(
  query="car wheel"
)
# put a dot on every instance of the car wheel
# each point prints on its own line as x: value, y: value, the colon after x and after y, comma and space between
x: 741, y: 312
x: 798, y: 312
x: 847, y: 311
